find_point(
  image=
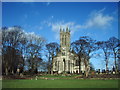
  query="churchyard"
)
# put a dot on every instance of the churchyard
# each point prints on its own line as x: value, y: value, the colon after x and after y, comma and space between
x: 59, y: 81
x: 59, y: 45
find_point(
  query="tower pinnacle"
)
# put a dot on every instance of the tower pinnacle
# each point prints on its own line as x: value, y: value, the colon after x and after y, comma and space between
x: 65, y: 39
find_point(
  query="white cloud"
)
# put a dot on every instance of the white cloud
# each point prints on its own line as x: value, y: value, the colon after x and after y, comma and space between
x: 56, y: 27
x: 52, y: 17
x: 98, y: 19
x: 48, y: 3
x: 37, y: 27
x: 40, y: 27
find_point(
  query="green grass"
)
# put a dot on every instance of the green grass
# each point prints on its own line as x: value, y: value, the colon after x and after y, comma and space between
x: 60, y: 83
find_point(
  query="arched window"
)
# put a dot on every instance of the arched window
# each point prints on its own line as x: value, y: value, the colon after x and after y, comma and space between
x: 63, y: 53
x: 64, y: 64
x: 56, y: 63
x: 77, y: 63
x: 65, y: 39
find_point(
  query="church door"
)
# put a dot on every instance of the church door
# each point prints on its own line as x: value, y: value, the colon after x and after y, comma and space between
x: 64, y: 66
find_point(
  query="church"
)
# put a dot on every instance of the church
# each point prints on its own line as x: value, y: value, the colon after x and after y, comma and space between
x: 66, y: 61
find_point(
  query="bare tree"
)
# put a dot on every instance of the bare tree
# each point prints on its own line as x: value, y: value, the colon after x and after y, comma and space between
x: 114, y: 45
x: 52, y: 49
x: 10, y: 38
x: 118, y: 56
x: 105, y: 46
x: 34, y: 47
x: 84, y: 48
x: 19, y: 46
x: 78, y: 48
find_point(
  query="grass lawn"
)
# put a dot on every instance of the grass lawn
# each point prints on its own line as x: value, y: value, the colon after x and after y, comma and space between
x: 60, y: 83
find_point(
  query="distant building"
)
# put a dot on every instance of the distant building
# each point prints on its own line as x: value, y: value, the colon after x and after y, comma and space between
x: 65, y: 60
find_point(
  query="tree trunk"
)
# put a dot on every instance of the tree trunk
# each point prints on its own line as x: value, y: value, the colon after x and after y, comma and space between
x: 52, y: 66
x: 115, y: 62
x: 79, y: 65
x: 48, y: 69
x: 106, y: 67
x: 49, y: 66
x: 116, y: 66
x: 106, y: 60
x: 6, y: 71
x: 86, y: 73
x: 87, y: 70
x: 12, y: 71
x: 51, y: 70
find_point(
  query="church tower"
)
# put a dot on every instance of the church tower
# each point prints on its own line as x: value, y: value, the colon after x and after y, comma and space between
x: 65, y: 60
x: 64, y: 40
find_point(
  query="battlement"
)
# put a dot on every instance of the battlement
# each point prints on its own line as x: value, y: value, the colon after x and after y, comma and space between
x: 64, y: 30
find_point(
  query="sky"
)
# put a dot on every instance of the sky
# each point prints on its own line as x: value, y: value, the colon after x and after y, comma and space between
x: 98, y: 20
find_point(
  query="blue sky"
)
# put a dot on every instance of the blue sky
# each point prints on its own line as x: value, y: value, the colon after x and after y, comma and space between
x: 97, y: 20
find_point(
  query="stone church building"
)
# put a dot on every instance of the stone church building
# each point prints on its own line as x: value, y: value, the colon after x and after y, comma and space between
x: 65, y: 60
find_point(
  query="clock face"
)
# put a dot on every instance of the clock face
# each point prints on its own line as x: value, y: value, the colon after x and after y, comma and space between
x: 63, y: 48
